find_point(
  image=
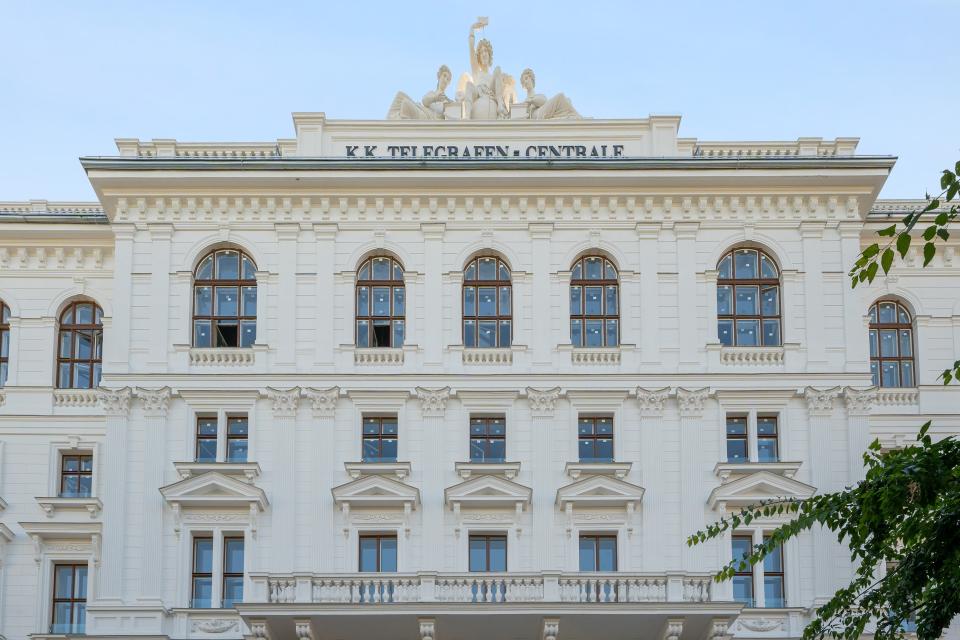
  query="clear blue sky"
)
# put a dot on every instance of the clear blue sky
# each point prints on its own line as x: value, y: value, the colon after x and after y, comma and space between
x: 76, y: 75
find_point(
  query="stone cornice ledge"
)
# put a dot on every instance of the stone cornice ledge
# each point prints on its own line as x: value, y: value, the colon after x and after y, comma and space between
x: 360, y: 469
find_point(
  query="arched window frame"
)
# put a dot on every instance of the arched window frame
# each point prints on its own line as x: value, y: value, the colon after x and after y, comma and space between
x: 737, y: 278
x: 4, y: 342
x: 79, y: 346
x: 604, y: 321
x: 369, y: 310
x: 476, y: 324
x: 221, y: 322
x: 889, y: 365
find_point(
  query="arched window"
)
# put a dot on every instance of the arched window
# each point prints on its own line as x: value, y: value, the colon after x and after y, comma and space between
x: 381, y: 303
x: 891, y: 345
x: 487, y: 303
x: 225, y: 300
x: 748, y: 299
x: 594, y: 303
x: 80, y: 346
x: 4, y: 341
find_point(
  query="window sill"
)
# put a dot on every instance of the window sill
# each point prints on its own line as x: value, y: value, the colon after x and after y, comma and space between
x: 52, y: 504
x: 576, y: 470
x: 752, y: 356
x: 508, y: 470
x: 359, y: 469
x: 222, y: 356
x: 595, y: 355
x: 897, y: 396
x: 378, y: 355
x: 249, y: 471
x: 726, y: 470
x: 75, y: 398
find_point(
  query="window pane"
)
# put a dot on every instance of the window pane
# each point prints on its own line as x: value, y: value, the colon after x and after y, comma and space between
x: 470, y: 273
x: 61, y: 618
x: 3, y: 373
x: 381, y: 268
x: 250, y: 301
x: 603, y: 449
x: 747, y: 331
x: 205, y: 270
x: 232, y: 591
x: 399, y: 301
x: 201, y: 333
x: 766, y: 425
x: 903, y: 316
x: 577, y: 272
x: 368, y: 554
x: 469, y: 301
x: 469, y: 333
x: 771, y: 333
x: 504, y: 272
x: 228, y: 265
x: 736, y: 450
x: 81, y: 376
x: 576, y: 300
x: 608, y: 554
x: 381, y: 333
x: 388, y: 449
x: 773, y: 561
x: 477, y: 449
x: 873, y: 343
x: 773, y: 591
x: 576, y: 333
x: 397, y: 271
x: 612, y: 333
x: 84, y: 314
x: 63, y: 579
x: 381, y: 301
x: 498, y: 554
x: 363, y: 333
x: 586, y: 450
x: 725, y: 268
x: 770, y: 301
x: 505, y: 301
x: 233, y: 555
x: 63, y: 377
x: 888, y: 342
x: 226, y: 333
x: 488, y: 269
x: 593, y: 268
x: 724, y: 300
x: 906, y: 370
x: 585, y: 426
x: 737, y: 426
x: 487, y: 334
x: 237, y: 450
x: 610, y: 273
x: 604, y: 425
x: 873, y: 314
x: 743, y: 589
x: 487, y: 301
x: 594, y: 333
x: 890, y: 375
x: 478, y: 554
x: 248, y: 334
x: 767, y: 268
x: 497, y: 450
x: 875, y: 373
x: 906, y: 343
x: 741, y: 547
x: 84, y: 486
x: 86, y: 463
x: 745, y: 263
x: 725, y: 332
x: 70, y: 487
x: 505, y: 339
x: 388, y: 554
x: 398, y: 329
x: 202, y: 593
x: 371, y: 450
x: 66, y: 344
x: 84, y: 345
x: 227, y: 304
x: 80, y: 582
x: 202, y: 555
x: 593, y: 301
x: 203, y: 301
x: 588, y: 554
x: 746, y: 300
x: 767, y: 449
x: 612, y: 303
x: 249, y: 270
x: 888, y: 312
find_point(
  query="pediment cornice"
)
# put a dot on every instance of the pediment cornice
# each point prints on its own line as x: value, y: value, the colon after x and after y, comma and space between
x: 758, y: 487
x: 487, y: 491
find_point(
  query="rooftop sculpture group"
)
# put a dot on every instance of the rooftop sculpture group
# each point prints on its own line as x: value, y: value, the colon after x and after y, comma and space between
x: 482, y: 94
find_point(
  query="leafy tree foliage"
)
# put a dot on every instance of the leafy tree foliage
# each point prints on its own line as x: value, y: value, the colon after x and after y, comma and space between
x: 902, y: 522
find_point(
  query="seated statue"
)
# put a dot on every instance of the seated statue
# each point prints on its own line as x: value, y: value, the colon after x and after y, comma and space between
x: 430, y: 108
x: 539, y: 107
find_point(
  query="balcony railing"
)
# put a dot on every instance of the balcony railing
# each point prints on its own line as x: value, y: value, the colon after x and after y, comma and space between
x: 513, y: 587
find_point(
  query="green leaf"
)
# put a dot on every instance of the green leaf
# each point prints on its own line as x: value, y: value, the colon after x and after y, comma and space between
x: 948, y: 178
x: 889, y: 232
x: 886, y: 259
x: 871, y: 251
x: 944, y: 234
x: 941, y: 218
x: 952, y: 191
x: 929, y: 250
x: 872, y: 271
x: 929, y: 232
x: 903, y: 244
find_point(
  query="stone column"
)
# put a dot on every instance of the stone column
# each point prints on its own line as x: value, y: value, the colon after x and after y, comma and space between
x: 287, y: 235
x: 687, y: 301
x: 325, y: 237
x: 858, y: 403
x: 155, y: 404
x: 433, y: 407
x: 649, y: 330
x: 283, y: 528
x: 543, y: 404
x: 160, y: 237
x: 692, y: 518
x: 815, y: 340
x: 433, y: 293
x: 540, y: 237
x: 116, y: 407
x: 651, y: 402
x: 821, y: 423
x: 116, y: 342
x: 324, y: 405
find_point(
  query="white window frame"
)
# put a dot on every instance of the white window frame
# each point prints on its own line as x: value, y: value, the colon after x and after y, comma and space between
x: 369, y: 403
x: 753, y: 455
x: 488, y: 529
x: 353, y: 544
x: 222, y: 416
x: 757, y: 535
x: 598, y: 404
x: 187, y: 535
x: 620, y: 531
x: 48, y: 558
x: 73, y: 446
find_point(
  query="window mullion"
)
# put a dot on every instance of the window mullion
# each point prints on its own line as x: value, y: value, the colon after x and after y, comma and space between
x: 758, y: 596
x: 216, y: 571
x: 752, y: 435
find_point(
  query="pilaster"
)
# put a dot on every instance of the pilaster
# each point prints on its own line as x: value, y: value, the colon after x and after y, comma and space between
x: 155, y: 403
x: 116, y: 342
x: 693, y: 518
x: 814, y: 341
x: 160, y: 238
x: 433, y: 292
x: 325, y: 237
x: 543, y: 404
x: 686, y: 234
x: 116, y: 408
x: 287, y: 235
x: 540, y: 238
x: 323, y: 403
x: 433, y: 407
x: 854, y: 336
x: 858, y: 403
x: 820, y: 418
x: 651, y: 403
x: 284, y: 403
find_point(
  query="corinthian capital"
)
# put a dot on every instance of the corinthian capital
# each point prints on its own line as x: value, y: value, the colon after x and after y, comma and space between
x: 859, y: 401
x: 692, y: 401
x: 285, y: 401
x: 820, y: 401
x: 155, y: 401
x: 651, y: 401
x: 543, y: 402
x: 433, y: 402
x: 323, y: 401
x: 114, y: 402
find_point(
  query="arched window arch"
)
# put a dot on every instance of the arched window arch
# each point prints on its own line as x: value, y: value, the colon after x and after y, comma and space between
x: 594, y: 303
x: 4, y: 341
x: 225, y: 300
x: 381, y: 303
x: 891, y: 345
x: 487, y: 303
x: 80, y: 346
x: 748, y: 299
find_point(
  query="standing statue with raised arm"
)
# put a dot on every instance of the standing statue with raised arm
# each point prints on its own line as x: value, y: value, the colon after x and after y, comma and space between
x: 483, y: 93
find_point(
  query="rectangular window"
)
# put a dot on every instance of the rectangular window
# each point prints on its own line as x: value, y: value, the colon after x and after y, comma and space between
x: 488, y: 439
x: 232, y: 571
x: 598, y: 553
x: 767, y: 439
x: 737, y: 439
x: 488, y: 553
x: 595, y: 436
x: 202, y: 574
x: 378, y: 553
x: 206, y: 438
x: 69, y: 599
x: 380, y: 439
x: 743, y: 578
x: 76, y: 475
x: 773, y: 595
x: 237, y: 433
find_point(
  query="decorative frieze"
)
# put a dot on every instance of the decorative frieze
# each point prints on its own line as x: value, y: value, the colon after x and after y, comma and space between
x: 71, y: 259
x: 433, y: 402
x: 214, y: 625
x: 378, y: 356
x: 543, y: 402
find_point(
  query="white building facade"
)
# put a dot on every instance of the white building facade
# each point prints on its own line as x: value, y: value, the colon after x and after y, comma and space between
x: 357, y: 385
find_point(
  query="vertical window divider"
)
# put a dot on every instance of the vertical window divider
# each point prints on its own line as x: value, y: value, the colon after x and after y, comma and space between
x: 221, y: 435
x: 752, y: 449
x: 758, y: 596
x: 216, y: 588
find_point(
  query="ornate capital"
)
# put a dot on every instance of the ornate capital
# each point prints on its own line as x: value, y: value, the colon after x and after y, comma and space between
x: 156, y: 402
x: 285, y: 401
x: 258, y: 630
x: 323, y: 401
x: 859, y: 401
x: 433, y: 402
x: 303, y: 629
x: 820, y: 401
x: 543, y: 402
x: 651, y: 401
x: 115, y: 402
x: 719, y: 629
x: 673, y: 629
x: 428, y: 628
x: 551, y: 628
x: 691, y: 401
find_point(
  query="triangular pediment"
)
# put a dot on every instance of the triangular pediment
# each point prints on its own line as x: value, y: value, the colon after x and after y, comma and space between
x: 487, y: 491
x: 213, y: 489
x: 600, y: 491
x: 762, y: 486
x: 376, y: 491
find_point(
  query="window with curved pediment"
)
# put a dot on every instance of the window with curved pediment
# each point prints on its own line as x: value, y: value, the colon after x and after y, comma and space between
x: 594, y: 303
x: 891, y: 345
x: 748, y: 299
x: 487, y: 303
x: 225, y: 300
x: 381, y: 303
x: 80, y: 346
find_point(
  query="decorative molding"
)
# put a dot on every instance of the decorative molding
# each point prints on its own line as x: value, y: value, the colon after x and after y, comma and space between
x: 75, y: 398
x: 239, y: 357
x: 285, y: 401
x: 197, y: 517
x: 551, y: 628
x: 719, y: 629
x: 433, y: 402
x: 490, y: 357
x: 761, y: 625
x: 820, y: 401
x: 378, y: 356
x: 428, y: 628
x: 156, y: 402
x: 59, y: 258
x: 595, y: 356
x: 651, y: 401
x: 859, y: 401
x: 115, y: 402
x: 673, y: 629
x: 258, y: 630
x: 214, y: 625
x: 543, y: 402
x: 323, y: 401
x: 692, y: 401
x: 303, y: 629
